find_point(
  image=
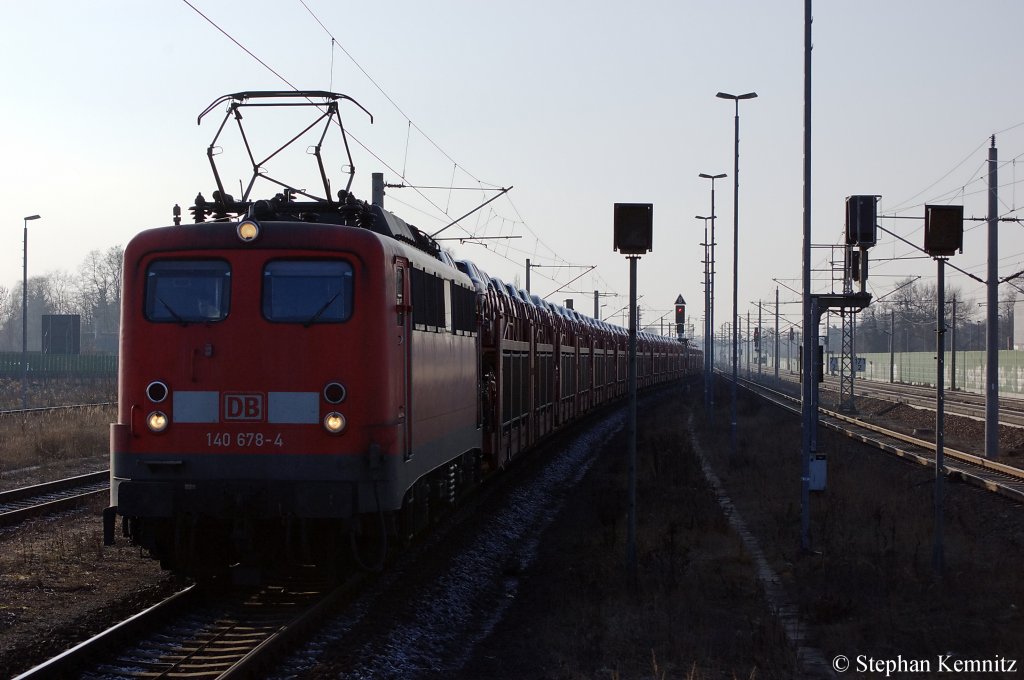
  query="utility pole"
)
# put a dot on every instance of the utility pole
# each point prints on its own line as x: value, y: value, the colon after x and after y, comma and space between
x: 808, y: 419
x: 952, y: 350
x: 892, y: 345
x: 776, y: 332
x: 760, y: 340
x: 992, y: 346
x: 748, y: 343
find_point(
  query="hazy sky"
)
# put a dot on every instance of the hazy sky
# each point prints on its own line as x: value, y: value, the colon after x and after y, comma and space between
x: 577, y: 104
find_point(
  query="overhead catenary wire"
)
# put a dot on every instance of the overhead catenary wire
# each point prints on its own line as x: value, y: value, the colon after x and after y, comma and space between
x: 410, y: 125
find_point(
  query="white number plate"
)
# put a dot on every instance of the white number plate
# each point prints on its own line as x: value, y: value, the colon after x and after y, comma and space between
x: 243, y: 440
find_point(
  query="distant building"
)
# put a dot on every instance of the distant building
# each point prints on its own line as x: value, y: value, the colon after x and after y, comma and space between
x: 61, y: 334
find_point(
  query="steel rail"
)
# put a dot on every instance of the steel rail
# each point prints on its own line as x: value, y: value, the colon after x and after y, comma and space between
x: 48, y: 409
x: 202, y: 633
x: 17, y: 505
x: 68, y: 662
x: 1003, y: 479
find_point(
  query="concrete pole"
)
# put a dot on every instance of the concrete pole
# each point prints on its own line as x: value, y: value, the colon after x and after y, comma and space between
x: 776, y: 332
x: 892, y: 345
x: 808, y: 387
x: 760, y: 339
x: 952, y: 350
x: 528, y: 275
x: 992, y: 346
x: 748, y: 343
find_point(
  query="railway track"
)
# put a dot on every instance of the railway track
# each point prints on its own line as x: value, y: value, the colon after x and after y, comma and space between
x: 17, y: 505
x: 1003, y: 479
x: 203, y: 632
x: 957, y: 402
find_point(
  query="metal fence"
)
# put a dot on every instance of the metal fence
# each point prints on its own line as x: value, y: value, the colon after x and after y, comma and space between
x: 57, y: 365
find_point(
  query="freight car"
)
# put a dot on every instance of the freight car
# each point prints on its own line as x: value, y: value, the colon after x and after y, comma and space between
x: 299, y: 378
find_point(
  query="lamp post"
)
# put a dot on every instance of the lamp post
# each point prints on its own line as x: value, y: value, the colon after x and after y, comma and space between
x: 735, y: 249
x: 707, y: 320
x: 24, y: 312
x: 711, y: 293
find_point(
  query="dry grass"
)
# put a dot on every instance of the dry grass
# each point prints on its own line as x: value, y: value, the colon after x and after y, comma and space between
x: 54, y: 436
x: 694, y: 609
x: 48, y: 445
x: 871, y: 589
x: 58, y: 391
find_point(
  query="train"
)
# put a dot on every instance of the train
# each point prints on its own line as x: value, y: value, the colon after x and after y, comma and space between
x: 308, y: 381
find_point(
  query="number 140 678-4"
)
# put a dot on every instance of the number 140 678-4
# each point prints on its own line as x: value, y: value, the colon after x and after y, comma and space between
x: 242, y: 439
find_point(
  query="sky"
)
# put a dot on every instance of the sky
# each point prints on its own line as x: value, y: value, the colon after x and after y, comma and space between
x: 576, y: 104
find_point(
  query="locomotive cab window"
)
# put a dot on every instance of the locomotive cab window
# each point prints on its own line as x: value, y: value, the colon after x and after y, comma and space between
x: 188, y: 291
x: 307, y: 291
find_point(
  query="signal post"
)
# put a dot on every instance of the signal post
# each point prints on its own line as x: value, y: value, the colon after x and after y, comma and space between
x: 633, y: 237
x: 943, y: 236
x: 861, y: 228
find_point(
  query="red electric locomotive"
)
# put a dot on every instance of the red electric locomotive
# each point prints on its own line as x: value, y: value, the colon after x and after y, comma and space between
x: 298, y: 374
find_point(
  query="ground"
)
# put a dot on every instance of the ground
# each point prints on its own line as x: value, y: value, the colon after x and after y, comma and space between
x: 694, y: 609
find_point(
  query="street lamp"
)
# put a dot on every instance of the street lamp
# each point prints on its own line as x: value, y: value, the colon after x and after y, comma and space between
x: 24, y: 312
x: 709, y: 378
x: 735, y: 250
x: 707, y: 320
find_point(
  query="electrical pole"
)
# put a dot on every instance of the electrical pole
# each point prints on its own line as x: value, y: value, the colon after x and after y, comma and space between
x: 952, y: 350
x: 748, y: 343
x: 992, y: 346
x: 760, y: 340
x: 892, y: 345
x: 776, y: 332
x: 808, y: 420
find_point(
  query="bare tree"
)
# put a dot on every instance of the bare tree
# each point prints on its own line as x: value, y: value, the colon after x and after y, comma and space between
x: 99, y: 291
x: 60, y: 293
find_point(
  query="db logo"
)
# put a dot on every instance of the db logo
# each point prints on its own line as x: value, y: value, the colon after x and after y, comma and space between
x: 243, y: 407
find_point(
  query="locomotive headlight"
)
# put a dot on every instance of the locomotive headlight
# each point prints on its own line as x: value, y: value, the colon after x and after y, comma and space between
x: 334, y: 393
x: 156, y: 391
x: 248, y: 230
x: 334, y: 422
x: 157, y: 421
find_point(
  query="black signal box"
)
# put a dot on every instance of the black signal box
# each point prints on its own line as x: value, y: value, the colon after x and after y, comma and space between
x: 62, y: 334
x: 634, y: 228
x: 943, y: 229
x: 861, y: 220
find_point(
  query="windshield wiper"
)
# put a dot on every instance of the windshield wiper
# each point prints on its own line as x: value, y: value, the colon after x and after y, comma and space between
x: 177, y: 317
x: 313, y: 319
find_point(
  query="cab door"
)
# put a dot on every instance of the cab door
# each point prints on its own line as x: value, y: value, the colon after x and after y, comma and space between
x: 403, y: 328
